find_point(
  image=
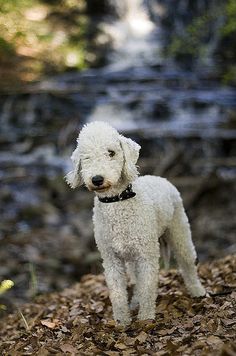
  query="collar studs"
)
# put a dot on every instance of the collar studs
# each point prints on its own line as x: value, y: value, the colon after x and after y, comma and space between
x: 126, y: 194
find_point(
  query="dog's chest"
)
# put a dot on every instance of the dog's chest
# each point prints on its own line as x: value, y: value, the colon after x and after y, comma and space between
x: 126, y: 229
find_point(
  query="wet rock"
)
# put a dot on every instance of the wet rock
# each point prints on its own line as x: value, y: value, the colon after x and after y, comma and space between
x: 83, y: 224
x: 6, y: 195
x: 32, y: 213
x: 197, y: 104
x: 231, y: 122
x: 161, y: 110
x: 51, y: 215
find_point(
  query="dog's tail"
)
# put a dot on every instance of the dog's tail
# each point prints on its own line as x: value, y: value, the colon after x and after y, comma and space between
x: 165, y: 252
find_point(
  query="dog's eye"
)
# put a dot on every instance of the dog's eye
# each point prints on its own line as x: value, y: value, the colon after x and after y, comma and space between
x: 111, y: 153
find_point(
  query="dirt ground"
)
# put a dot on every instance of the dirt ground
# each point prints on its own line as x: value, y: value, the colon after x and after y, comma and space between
x: 78, y: 320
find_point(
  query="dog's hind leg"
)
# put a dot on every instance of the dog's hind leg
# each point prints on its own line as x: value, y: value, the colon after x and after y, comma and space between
x: 181, y: 243
x: 147, y: 286
x: 132, y: 274
x: 130, y: 269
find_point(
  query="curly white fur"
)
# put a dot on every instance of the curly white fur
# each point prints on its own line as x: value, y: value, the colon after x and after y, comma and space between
x: 127, y: 233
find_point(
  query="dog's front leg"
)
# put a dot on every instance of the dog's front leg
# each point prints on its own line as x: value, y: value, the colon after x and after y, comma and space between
x: 147, y: 285
x: 117, y: 285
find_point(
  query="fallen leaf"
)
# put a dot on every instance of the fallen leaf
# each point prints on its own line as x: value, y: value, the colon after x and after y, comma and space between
x: 120, y: 346
x: 167, y: 331
x: 71, y: 325
x: 228, y: 322
x: 68, y: 348
x: 142, y: 337
x: 64, y: 329
x: 214, y: 340
x: 49, y: 324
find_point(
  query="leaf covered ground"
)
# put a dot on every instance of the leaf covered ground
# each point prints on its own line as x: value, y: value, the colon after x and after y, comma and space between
x: 78, y: 321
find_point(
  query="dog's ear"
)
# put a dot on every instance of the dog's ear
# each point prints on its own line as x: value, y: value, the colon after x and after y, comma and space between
x: 131, y: 154
x: 73, y: 178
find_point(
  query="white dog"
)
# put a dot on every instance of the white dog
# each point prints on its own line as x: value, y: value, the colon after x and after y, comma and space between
x: 130, y: 216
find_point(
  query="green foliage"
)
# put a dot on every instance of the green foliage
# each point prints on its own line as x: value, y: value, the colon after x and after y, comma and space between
x: 195, y: 42
x: 6, y: 48
x: 42, y: 36
x: 229, y: 75
x: 230, y: 25
x: 227, y: 50
x: 4, y: 287
x: 13, y: 5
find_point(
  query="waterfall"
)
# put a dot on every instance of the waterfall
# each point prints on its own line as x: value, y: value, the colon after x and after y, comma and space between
x: 135, y: 37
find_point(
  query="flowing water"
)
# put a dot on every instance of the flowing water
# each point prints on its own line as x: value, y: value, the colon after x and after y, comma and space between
x: 170, y: 111
x: 136, y: 40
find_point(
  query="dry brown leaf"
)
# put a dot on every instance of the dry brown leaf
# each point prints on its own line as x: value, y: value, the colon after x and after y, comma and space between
x: 199, y: 344
x: 228, y: 322
x: 64, y: 329
x: 172, y: 347
x: 129, y: 341
x: 68, y: 348
x: 73, y: 318
x: 142, y: 337
x: 120, y: 346
x: 212, y: 325
x: 111, y: 323
x: 233, y: 295
x: 167, y: 331
x: 129, y: 352
x: 49, y: 324
x: 214, y: 340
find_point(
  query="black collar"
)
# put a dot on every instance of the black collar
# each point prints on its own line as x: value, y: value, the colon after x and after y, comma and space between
x: 126, y: 194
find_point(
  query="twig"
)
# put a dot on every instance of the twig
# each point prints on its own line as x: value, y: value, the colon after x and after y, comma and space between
x: 33, y: 280
x: 26, y: 325
x: 219, y: 294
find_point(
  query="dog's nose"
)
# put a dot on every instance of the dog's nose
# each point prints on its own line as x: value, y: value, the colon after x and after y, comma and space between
x: 97, y: 180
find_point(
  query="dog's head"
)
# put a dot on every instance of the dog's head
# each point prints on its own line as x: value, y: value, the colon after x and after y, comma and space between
x: 103, y: 159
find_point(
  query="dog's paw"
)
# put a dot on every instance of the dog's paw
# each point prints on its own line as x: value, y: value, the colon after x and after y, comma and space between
x: 121, y: 313
x: 146, y: 315
x: 123, y: 321
x: 197, y: 290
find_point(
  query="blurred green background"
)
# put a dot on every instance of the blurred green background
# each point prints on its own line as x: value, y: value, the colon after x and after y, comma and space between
x: 39, y: 38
